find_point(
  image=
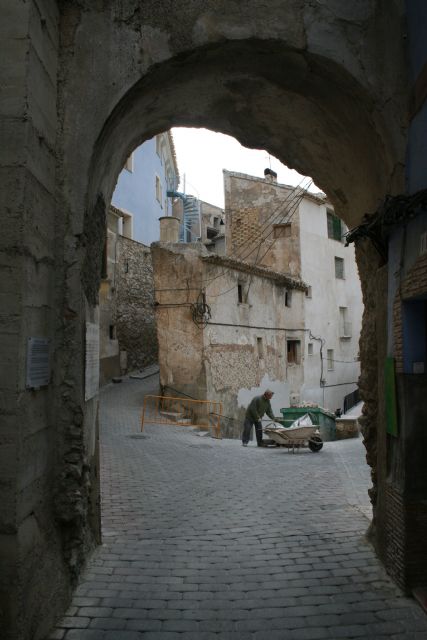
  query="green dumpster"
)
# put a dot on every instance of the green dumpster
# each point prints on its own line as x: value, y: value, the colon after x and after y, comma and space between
x: 320, y: 417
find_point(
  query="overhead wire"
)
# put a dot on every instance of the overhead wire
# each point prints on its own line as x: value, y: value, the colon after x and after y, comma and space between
x: 290, y: 212
x: 295, y: 203
x: 292, y: 197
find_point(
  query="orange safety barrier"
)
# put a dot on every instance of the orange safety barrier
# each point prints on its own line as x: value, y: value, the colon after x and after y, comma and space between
x: 204, y: 414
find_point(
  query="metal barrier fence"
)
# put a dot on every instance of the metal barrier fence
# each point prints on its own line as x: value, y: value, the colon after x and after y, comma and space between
x: 203, y: 414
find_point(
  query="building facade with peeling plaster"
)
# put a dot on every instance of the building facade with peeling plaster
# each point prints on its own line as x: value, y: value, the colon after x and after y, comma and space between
x: 242, y: 347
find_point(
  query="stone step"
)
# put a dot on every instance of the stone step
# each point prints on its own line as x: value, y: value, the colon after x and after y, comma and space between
x: 176, y: 416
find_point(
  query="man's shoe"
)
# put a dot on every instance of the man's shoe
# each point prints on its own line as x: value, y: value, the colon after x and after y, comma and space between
x: 261, y: 444
x: 245, y: 444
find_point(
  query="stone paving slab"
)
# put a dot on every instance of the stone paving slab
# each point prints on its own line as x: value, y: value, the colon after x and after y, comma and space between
x: 204, y: 538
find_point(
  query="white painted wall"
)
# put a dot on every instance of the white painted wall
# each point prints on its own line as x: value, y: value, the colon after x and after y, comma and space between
x: 322, y: 310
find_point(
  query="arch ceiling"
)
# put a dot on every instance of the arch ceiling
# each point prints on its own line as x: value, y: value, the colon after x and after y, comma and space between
x: 303, y: 108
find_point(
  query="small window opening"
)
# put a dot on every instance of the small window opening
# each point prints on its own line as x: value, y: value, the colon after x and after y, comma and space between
x: 294, y: 351
x: 127, y: 266
x: 309, y: 293
x: 345, y: 324
x: 310, y: 348
x: 282, y: 230
x: 330, y: 356
x: 112, y: 332
x: 260, y: 348
x: 339, y: 268
x: 240, y: 293
x: 415, y: 336
x: 159, y: 146
x: 104, y: 267
x: 159, y: 190
x: 288, y: 298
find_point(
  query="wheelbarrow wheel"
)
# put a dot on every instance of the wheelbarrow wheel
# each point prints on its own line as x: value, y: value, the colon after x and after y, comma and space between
x: 315, y: 443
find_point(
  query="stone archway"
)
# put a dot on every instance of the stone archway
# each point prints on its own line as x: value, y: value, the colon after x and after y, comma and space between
x: 247, y: 100
x: 322, y: 88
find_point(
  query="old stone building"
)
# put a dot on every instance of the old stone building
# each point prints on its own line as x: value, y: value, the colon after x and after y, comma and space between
x: 240, y: 346
x: 294, y: 231
x: 336, y: 90
x: 127, y: 329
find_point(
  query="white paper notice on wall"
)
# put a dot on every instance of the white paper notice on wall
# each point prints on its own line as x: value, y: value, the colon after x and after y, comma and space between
x: 92, y: 360
x: 38, y: 363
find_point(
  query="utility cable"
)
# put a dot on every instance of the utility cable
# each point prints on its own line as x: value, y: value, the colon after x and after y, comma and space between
x: 270, y: 221
x: 296, y: 203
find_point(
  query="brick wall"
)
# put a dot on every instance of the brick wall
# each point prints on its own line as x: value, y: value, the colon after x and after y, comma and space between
x: 414, y: 284
x: 395, y: 535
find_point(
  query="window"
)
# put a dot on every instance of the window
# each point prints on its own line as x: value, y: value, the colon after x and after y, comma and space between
x: 310, y: 348
x: 112, y: 332
x: 104, y: 265
x: 415, y: 335
x: 159, y: 190
x: 294, y: 351
x: 308, y: 293
x: 288, y: 298
x: 335, y: 230
x: 240, y: 293
x: 127, y: 226
x: 330, y: 356
x: 159, y: 146
x: 282, y: 230
x: 129, y: 163
x: 345, y: 324
x: 260, y: 348
x: 339, y: 268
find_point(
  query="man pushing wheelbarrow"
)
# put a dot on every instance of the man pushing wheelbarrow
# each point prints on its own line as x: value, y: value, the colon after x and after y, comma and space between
x: 256, y: 409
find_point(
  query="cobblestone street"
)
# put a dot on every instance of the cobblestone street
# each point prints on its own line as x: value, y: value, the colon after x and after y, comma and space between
x: 204, y: 538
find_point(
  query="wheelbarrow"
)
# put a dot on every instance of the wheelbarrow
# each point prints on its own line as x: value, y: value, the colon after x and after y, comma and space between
x: 295, y: 437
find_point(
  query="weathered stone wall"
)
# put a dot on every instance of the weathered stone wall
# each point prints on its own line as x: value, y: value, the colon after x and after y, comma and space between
x: 109, y: 354
x: 134, y: 311
x: 178, y: 278
x: 31, y: 561
x: 371, y: 384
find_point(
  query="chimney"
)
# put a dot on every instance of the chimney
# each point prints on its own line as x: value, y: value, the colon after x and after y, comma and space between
x: 169, y: 229
x: 270, y: 175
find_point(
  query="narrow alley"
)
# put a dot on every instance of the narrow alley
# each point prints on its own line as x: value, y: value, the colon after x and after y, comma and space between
x: 203, y: 538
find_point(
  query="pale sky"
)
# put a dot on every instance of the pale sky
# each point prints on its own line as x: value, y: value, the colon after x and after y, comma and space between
x: 203, y: 154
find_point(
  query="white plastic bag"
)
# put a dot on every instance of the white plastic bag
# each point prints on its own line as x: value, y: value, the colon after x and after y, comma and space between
x: 304, y: 421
